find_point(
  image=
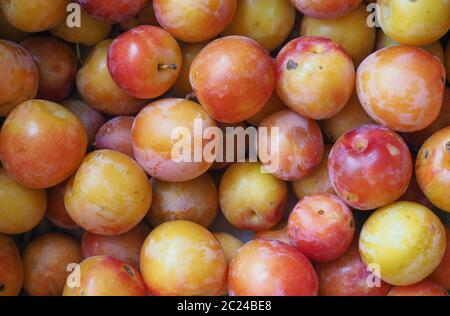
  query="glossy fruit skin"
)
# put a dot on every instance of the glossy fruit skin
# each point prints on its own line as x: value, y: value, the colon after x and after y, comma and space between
x: 109, y: 195
x: 112, y: 11
x: 150, y: 46
x: 315, y: 77
x: 146, y: 16
x: 45, y: 262
x: 442, y: 273
x: 434, y: 48
x: 412, y: 23
x: 251, y: 199
x: 417, y: 139
x: 125, y: 247
x: 233, y: 78
x: 317, y: 182
x: 90, y: 33
x: 22, y: 83
x: 348, y: 276
x: 91, y: 118
x: 194, y: 21
x: 269, y: 22
x: 280, y: 234
x: 322, y: 227
x: 42, y: 144
x: 240, y: 151
x: 324, y: 9
x: 433, y: 169
x: 352, y: 116
x: 229, y: 243
x: 153, y: 143
x: 182, y: 258
x: 300, y: 149
x: 274, y: 104
x: 406, y: 240
x: 370, y: 167
x: 11, y: 269
x: 423, y: 288
x: 447, y: 60
x: 116, y: 135
x: 105, y: 276
x: 350, y: 31
x: 21, y: 208
x: 271, y: 268
x: 34, y: 16
x: 182, y: 86
x: 415, y: 74
x: 57, y: 66
x: 56, y: 210
x: 195, y: 200
x: 9, y: 32
x: 97, y: 88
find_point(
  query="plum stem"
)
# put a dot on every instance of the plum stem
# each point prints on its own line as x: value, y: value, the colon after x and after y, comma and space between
x: 167, y: 66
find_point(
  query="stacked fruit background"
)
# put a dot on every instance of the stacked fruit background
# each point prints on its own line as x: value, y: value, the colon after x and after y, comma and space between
x: 93, y: 203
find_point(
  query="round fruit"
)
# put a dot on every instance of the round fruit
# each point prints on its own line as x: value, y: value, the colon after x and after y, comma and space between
x: 229, y: 243
x: 279, y: 233
x: 401, y: 87
x: 322, y: 227
x: 42, y: 144
x: 271, y: 268
x: 97, y: 88
x: 250, y: 198
x: 404, y: 241
x: 423, y: 288
x: 414, y: 22
x: 442, y: 273
x: 21, y: 208
x: 57, y: 66
x: 433, y: 169
x: 113, y: 11
x: 370, y: 167
x: 91, y: 119
x: 125, y: 247
x: 146, y: 16
x: 45, y: 262
x: 351, y: 31
x: 315, y: 77
x: 182, y: 258
x: 233, y: 78
x: 417, y: 139
x: 189, y: 52
x: 317, y: 182
x: 104, y: 276
x: 56, y: 210
x: 155, y: 147
x: 352, y: 116
x: 273, y: 105
x: 9, y: 32
x: 109, y: 195
x: 194, y: 200
x: 290, y: 146
x: 194, y: 21
x: 145, y: 61
x: 326, y: 9
x: 11, y: 269
x: 434, y: 48
x: 22, y: 83
x: 116, y: 135
x: 90, y: 31
x: 349, y: 276
x: 269, y: 22
x: 36, y: 15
